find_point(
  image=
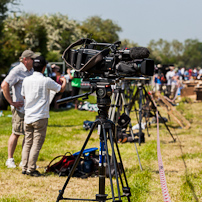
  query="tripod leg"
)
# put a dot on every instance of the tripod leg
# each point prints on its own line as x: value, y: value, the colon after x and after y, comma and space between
x: 140, y: 113
x: 126, y: 190
x: 107, y: 130
x: 108, y: 162
x: 130, y: 126
x: 61, y: 192
x: 112, y: 105
x: 158, y: 112
x: 114, y: 109
x: 102, y: 169
x: 166, y: 126
x: 133, y: 100
x: 146, y: 121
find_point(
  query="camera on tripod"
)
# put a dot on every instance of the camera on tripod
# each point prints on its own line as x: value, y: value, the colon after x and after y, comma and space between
x: 103, y: 64
x: 106, y: 60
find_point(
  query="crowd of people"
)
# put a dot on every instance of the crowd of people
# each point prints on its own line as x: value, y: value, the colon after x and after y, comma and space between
x: 168, y: 82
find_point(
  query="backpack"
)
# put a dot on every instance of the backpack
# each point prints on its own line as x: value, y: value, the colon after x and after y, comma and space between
x: 62, y: 167
x: 87, y: 166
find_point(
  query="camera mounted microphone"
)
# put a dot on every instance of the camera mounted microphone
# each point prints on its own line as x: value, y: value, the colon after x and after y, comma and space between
x: 139, y: 53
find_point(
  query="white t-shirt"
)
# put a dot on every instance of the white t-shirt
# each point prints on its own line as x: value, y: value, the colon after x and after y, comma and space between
x: 200, y: 71
x: 169, y: 78
x: 36, y: 90
x: 15, y: 79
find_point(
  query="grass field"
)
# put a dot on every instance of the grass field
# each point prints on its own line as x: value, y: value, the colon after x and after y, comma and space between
x: 182, y: 160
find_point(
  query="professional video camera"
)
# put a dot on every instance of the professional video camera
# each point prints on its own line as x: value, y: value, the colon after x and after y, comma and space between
x: 106, y: 60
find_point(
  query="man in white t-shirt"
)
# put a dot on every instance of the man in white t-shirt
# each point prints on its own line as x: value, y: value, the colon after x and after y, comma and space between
x: 36, y: 92
x: 170, y: 76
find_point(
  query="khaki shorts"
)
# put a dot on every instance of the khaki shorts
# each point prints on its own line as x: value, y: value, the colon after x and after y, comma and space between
x: 17, y: 122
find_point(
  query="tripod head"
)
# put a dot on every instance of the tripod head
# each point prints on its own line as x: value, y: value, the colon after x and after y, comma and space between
x: 103, y: 92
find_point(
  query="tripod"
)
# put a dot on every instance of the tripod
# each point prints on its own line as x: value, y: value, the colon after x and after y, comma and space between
x: 106, y: 131
x: 118, y: 99
x: 141, y: 91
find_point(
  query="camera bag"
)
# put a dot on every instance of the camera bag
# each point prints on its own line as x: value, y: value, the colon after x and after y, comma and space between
x: 63, y: 166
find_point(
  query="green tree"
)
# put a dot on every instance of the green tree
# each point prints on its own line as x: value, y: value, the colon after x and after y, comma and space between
x: 100, y: 30
x: 160, y: 51
x: 188, y: 54
x: 177, y: 50
x: 192, y: 55
x: 20, y: 33
x: 48, y: 34
x: 165, y: 52
x: 61, y: 31
x: 126, y: 43
x: 4, y: 10
x: 3, y: 14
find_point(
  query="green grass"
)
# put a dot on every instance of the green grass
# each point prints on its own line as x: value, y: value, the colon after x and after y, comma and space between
x: 181, y: 159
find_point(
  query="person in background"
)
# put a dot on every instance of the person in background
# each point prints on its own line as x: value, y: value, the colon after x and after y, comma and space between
x: 182, y: 71
x: 199, y: 74
x: 14, y: 80
x: 59, y: 80
x: 36, y: 92
x: 186, y: 75
x: 194, y: 73
x: 190, y: 73
x: 156, y: 82
x: 175, y: 83
x: 54, y: 68
x: 68, y: 89
x: 170, y: 80
x: 76, y: 84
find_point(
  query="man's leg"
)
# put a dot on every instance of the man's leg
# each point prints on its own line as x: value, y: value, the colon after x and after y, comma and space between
x: 29, y: 130
x: 12, y: 143
x: 39, y: 135
x: 17, y: 130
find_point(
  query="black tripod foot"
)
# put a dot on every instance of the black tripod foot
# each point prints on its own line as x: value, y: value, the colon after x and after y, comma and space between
x: 126, y: 191
x: 101, y: 197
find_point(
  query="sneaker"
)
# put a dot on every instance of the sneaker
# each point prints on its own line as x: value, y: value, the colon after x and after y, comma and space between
x: 10, y: 163
x: 24, y: 172
x: 35, y: 173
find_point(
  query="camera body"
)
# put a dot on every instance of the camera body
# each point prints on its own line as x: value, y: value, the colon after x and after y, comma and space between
x: 106, y: 60
x: 82, y: 56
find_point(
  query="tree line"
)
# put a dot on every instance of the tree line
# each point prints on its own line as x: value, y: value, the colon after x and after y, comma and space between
x: 51, y: 34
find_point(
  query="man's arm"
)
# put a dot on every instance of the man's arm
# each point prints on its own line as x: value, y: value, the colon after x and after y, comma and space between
x: 63, y: 86
x: 7, y: 95
x: 70, y: 76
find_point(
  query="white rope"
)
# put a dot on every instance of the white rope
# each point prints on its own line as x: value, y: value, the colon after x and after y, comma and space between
x: 164, y: 188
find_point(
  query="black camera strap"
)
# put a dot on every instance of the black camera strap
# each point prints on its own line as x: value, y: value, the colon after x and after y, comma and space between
x: 92, y: 62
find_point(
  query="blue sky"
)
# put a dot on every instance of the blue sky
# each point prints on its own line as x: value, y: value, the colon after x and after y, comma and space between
x: 140, y: 20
